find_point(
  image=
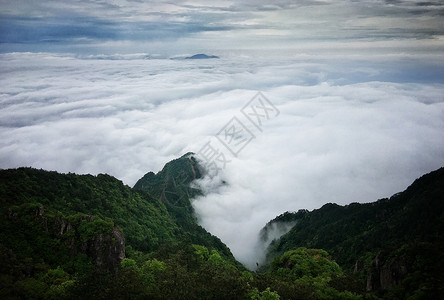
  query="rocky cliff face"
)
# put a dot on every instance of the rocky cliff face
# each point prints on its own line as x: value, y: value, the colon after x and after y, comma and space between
x: 386, y: 274
x: 114, y: 251
x: 105, y: 244
x: 107, y: 249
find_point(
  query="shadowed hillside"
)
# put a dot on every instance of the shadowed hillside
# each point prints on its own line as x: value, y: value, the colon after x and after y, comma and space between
x: 68, y: 236
x: 391, y: 244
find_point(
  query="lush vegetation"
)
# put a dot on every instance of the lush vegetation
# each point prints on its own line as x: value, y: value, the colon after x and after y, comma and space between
x: 171, y: 187
x: 53, y: 221
x: 402, y: 235
x: 144, y: 220
x: 67, y: 236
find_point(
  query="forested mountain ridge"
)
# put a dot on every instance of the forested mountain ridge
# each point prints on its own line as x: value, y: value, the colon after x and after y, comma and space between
x: 68, y: 236
x: 391, y: 243
x: 172, y: 187
x: 78, y: 228
x: 143, y: 218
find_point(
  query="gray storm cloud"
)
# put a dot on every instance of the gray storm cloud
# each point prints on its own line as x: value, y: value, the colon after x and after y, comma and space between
x: 357, y: 129
x: 128, y: 26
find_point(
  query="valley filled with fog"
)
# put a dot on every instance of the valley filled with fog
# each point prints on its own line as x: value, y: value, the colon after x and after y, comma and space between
x: 350, y: 128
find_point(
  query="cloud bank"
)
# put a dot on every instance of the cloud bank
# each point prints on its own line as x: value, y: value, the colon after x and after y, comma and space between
x: 128, y: 26
x: 101, y: 87
x: 350, y: 129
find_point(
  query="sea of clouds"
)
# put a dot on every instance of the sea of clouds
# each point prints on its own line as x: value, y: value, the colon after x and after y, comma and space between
x: 349, y: 129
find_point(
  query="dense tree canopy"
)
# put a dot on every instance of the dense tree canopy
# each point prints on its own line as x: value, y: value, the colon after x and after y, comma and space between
x: 67, y: 236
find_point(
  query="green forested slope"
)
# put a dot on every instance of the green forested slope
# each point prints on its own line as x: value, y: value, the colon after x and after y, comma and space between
x: 172, y: 187
x: 144, y: 220
x: 388, y: 243
x: 68, y: 236
x: 72, y: 225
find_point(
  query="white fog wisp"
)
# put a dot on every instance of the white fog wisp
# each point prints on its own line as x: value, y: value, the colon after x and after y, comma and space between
x: 350, y: 132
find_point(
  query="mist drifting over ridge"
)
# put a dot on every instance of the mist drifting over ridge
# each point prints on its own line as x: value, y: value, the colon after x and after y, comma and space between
x: 96, y: 88
x: 338, y: 138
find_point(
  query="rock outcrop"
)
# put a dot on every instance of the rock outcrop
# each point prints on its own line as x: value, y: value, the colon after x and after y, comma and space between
x: 101, y: 241
x: 107, y: 248
x: 384, y: 275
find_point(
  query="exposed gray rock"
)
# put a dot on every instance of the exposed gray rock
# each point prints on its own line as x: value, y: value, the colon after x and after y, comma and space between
x: 359, y: 266
x: 107, y: 249
x: 388, y: 274
x: 392, y: 272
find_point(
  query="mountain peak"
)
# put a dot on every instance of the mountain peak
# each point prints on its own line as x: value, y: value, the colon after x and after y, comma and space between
x: 201, y: 56
x: 178, y: 172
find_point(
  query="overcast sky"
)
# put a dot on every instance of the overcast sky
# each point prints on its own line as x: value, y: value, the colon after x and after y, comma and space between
x: 181, y: 26
x: 102, y: 87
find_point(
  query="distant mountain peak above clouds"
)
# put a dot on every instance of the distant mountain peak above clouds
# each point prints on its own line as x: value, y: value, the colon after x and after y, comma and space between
x: 201, y: 56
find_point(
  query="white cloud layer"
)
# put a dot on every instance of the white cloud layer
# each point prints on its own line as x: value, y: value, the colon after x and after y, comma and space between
x: 350, y: 128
